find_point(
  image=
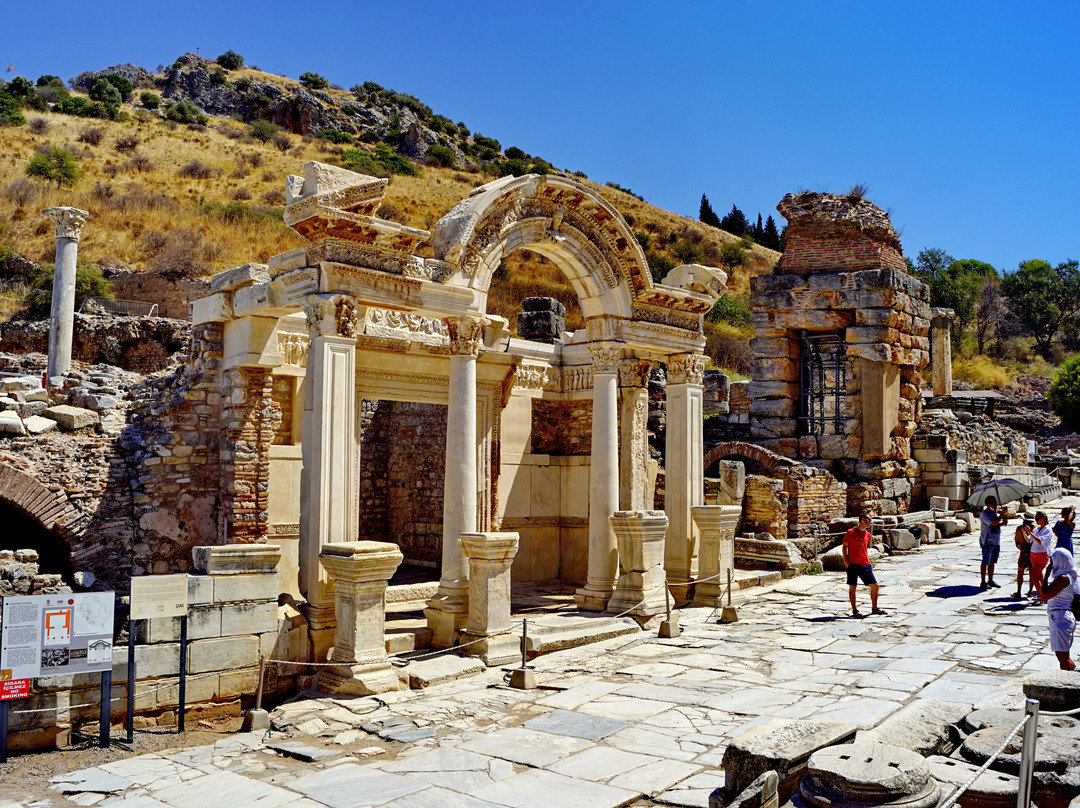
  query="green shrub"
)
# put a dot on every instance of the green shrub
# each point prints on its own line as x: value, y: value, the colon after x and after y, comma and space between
x: 644, y: 239
x: 89, y: 282
x: 360, y: 161
x: 185, y: 112
x: 735, y: 311
x: 230, y: 60
x: 81, y: 107
x: 350, y: 109
x: 56, y: 165
x: 150, y: 100
x: 262, y: 129
x: 314, y: 81
x: 103, y: 90
x: 49, y: 81
x: 334, y: 136
x: 243, y: 84
x: 19, y: 87
x: 219, y: 76
x: 732, y: 255
x: 122, y: 85
x: 487, y: 143
x: 659, y: 265
x: 444, y: 154
x: 689, y: 253
x: 394, y: 161
x: 10, y: 115
x: 384, y: 161
x: 238, y: 212
x: 1064, y: 393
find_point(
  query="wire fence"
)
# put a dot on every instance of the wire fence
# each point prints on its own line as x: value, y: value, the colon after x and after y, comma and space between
x: 125, y: 308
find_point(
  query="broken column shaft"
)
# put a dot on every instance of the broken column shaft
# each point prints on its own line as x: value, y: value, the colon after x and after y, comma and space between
x: 68, y: 222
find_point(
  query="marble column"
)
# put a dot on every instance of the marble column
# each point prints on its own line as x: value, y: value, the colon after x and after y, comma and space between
x: 641, y: 586
x: 360, y: 571
x: 448, y: 609
x: 68, y: 228
x: 490, y: 556
x: 633, y: 434
x: 603, y: 479
x: 684, y: 483
x: 716, y: 526
x: 328, y: 481
x: 941, y: 351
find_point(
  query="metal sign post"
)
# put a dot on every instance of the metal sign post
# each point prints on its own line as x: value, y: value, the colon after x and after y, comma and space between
x: 3, y: 731
x: 130, y: 723
x: 106, y: 708
x: 153, y: 597
x: 183, y: 673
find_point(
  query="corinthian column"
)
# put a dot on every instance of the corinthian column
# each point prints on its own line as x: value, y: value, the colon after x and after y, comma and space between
x: 68, y: 222
x: 684, y: 485
x: 328, y: 477
x: 633, y: 434
x: 603, y: 479
x: 449, y: 609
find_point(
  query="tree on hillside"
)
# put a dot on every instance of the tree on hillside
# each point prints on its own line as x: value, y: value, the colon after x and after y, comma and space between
x: 758, y: 230
x: 1043, y: 298
x: 770, y: 238
x: 735, y: 222
x: 953, y: 284
x: 989, y: 310
x: 706, y: 214
x: 932, y: 261
x: 56, y: 165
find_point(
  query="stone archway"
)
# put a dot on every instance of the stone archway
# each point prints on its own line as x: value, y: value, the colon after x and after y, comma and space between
x: 769, y: 460
x: 38, y: 517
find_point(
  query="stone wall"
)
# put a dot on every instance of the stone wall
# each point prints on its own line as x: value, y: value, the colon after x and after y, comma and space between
x: 561, y: 427
x: 765, y: 507
x: 173, y: 297
x: 19, y: 575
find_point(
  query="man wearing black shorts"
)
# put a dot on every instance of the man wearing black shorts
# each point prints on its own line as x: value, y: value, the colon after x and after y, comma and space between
x: 856, y: 552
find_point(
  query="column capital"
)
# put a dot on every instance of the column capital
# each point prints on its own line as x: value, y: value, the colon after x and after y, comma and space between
x: 466, y: 335
x: 68, y: 222
x: 634, y: 371
x: 605, y: 356
x: 333, y: 316
x: 686, y: 369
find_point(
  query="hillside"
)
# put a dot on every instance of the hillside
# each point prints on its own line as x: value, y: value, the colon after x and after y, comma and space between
x: 178, y: 201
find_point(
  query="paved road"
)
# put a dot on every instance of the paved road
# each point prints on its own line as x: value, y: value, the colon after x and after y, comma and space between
x: 631, y: 721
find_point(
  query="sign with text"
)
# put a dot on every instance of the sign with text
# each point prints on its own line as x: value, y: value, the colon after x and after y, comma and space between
x: 158, y: 596
x: 46, y: 635
x: 14, y: 689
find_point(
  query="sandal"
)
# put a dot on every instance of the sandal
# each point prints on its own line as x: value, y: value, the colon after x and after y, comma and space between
x: 878, y: 611
x: 857, y: 613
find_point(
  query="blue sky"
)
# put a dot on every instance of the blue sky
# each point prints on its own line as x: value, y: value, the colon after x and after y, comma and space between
x: 962, y: 117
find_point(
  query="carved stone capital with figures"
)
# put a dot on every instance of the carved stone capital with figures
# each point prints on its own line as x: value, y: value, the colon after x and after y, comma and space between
x: 466, y: 335
x: 605, y: 356
x: 686, y: 369
x: 333, y: 316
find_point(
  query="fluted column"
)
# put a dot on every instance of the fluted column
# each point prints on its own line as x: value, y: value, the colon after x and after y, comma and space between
x: 603, y: 479
x: 328, y: 478
x: 448, y: 609
x: 684, y: 483
x: 68, y: 228
x: 633, y: 434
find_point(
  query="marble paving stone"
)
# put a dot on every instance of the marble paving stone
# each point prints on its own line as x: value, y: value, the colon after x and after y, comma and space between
x: 224, y: 788
x: 624, y: 708
x: 576, y: 696
x: 654, y: 741
x: 653, y: 778
x: 862, y: 712
x: 862, y: 664
x: 577, y: 725
x: 935, y: 667
x: 525, y: 746
x: 439, y: 798
x: 753, y: 701
x: 543, y: 789
x: 95, y: 779
x: 349, y: 785
x: 600, y: 763
x: 452, y: 768
x: 653, y: 669
x: 131, y: 801
x: 694, y: 791
x: 303, y: 751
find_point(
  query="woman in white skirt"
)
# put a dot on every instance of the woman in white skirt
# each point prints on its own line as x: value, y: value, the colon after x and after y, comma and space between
x: 1059, y: 586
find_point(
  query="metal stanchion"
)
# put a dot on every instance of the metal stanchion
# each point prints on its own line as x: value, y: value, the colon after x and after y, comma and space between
x: 130, y: 722
x: 257, y: 719
x: 106, y: 697
x: 523, y: 678
x: 3, y: 731
x: 729, y: 613
x: 670, y: 627
x: 183, y: 674
x: 1027, y: 754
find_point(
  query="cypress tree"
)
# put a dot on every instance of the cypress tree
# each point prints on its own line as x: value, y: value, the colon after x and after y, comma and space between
x: 706, y: 214
x: 735, y: 222
x: 770, y: 237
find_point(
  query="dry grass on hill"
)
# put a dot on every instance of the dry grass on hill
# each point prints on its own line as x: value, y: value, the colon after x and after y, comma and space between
x: 159, y: 193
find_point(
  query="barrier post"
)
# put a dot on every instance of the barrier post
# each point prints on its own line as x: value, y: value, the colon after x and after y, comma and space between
x: 1027, y: 754
x: 183, y: 672
x: 130, y: 722
x: 3, y: 731
x: 106, y: 711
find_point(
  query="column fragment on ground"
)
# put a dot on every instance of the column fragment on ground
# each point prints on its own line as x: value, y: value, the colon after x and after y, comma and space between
x: 716, y: 526
x: 603, y: 480
x: 328, y: 481
x: 448, y: 609
x: 941, y: 351
x: 68, y: 228
x: 360, y: 571
x: 684, y: 484
x: 633, y: 434
x: 490, y: 556
x: 641, y: 589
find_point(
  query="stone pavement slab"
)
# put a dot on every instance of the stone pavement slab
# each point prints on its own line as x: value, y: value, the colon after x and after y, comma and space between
x: 525, y: 746
x: 350, y: 785
x: 535, y: 788
x: 577, y: 725
x: 224, y: 788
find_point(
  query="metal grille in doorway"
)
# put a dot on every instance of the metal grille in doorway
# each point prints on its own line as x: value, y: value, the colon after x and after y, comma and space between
x: 822, y: 384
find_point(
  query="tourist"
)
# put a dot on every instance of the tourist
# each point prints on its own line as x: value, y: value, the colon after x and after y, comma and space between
x: 1059, y: 588
x: 856, y: 553
x: 1022, y: 539
x: 1064, y: 528
x: 990, y: 522
x: 1042, y: 544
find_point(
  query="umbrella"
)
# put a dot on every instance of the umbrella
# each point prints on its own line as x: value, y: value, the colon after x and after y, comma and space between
x: 1005, y: 490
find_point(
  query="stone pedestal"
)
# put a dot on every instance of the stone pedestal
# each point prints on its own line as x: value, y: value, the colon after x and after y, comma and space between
x: 360, y: 571
x: 641, y: 587
x: 490, y: 556
x: 716, y: 526
x: 685, y: 478
x: 448, y: 609
x: 68, y: 222
x: 941, y: 351
x: 603, y: 480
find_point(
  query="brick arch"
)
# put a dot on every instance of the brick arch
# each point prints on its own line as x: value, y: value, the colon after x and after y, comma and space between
x: 51, y: 508
x: 735, y: 448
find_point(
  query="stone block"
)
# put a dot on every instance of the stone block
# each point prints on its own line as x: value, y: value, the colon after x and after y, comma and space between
x: 783, y: 746
x: 939, y: 503
x: 38, y: 425
x: 70, y: 418
x: 200, y: 590
x: 238, y: 277
x: 248, y: 618
x: 900, y: 539
x: 212, y: 309
x: 543, y: 304
x: 259, y: 586
x: 99, y: 403
x: 924, y: 726
x: 1056, y: 691
x: 238, y: 684
x: 11, y: 423
x: 222, y: 653
x: 29, y: 409
x: 236, y: 559
x: 203, y: 622
x: 151, y: 661
x: 781, y: 553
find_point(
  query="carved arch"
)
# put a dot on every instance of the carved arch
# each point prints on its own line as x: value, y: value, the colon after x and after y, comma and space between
x: 50, y: 508
x: 771, y: 461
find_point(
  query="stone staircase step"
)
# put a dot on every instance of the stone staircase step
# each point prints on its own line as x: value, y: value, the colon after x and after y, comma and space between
x: 439, y: 670
x: 404, y: 640
x: 557, y: 632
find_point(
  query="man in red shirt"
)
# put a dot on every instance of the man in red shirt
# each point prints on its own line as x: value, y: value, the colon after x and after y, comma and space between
x: 856, y: 552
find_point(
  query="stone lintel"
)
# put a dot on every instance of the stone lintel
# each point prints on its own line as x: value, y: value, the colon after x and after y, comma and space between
x: 231, y: 279
x: 236, y: 559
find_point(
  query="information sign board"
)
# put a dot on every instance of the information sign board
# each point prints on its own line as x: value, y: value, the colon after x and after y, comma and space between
x: 46, y: 635
x: 14, y: 689
x: 158, y: 596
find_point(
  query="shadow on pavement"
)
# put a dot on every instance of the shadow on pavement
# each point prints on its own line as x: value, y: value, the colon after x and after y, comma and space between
x: 956, y: 591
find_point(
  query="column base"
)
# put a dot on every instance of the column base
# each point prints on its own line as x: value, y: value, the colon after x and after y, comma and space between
x: 715, y: 595
x: 594, y: 597
x: 682, y: 592
x: 363, y: 679
x: 504, y: 649
x: 322, y: 623
x: 445, y: 623
x: 638, y: 604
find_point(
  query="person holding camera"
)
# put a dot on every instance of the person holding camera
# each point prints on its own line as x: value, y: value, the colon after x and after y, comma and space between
x: 1042, y: 544
x: 990, y: 522
x: 1064, y: 528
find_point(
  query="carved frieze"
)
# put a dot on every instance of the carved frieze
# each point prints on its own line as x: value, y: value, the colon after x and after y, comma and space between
x: 686, y: 369
x: 576, y: 379
x: 404, y: 326
x: 691, y: 321
x: 293, y: 348
x: 332, y: 316
x: 535, y: 377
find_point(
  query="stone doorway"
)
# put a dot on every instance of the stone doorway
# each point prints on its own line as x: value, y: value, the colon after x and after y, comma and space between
x: 23, y: 532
